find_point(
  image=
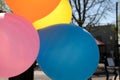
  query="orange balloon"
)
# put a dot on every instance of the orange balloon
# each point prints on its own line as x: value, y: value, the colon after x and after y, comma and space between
x: 32, y: 9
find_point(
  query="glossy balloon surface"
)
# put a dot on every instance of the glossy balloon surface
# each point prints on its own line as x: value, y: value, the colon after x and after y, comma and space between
x: 68, y: 52
x: 19, y: 45
x: 61, y: 14
x: 32, y: 9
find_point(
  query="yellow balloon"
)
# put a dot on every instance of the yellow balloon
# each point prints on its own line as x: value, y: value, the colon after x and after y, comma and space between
x: 60, y: 15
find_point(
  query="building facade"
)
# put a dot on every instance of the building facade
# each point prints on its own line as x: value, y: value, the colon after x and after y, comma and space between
x: 107, y: 35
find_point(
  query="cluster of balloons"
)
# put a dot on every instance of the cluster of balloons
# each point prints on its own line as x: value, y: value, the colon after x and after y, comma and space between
x: 41, y: 30
x: 42, y: 13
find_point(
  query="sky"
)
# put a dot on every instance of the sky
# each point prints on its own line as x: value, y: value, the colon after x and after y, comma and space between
x: 111, y: 17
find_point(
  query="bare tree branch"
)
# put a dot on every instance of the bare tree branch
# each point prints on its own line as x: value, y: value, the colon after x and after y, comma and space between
x: 79, y: 13
x: 84, y: 10
x: 91, y: 5
x: 88, y: 12
x: 95, y: 15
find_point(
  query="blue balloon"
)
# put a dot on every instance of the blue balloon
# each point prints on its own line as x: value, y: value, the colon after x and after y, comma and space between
x: 68, y: 52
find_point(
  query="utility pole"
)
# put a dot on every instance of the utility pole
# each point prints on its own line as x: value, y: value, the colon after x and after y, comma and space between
x: 117, y: 42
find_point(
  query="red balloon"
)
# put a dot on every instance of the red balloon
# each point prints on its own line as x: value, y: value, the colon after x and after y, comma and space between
x: 19, y: 45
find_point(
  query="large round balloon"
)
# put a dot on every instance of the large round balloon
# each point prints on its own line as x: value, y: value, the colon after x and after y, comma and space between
x: 19, y: 45
x: 32, y: 9
x: 62, y: 14
x: 68, y: 52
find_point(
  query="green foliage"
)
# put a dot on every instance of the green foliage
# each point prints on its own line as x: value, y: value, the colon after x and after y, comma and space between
x: 3, y: 6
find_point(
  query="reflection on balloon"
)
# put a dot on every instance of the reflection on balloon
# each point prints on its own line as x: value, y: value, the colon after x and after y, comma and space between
x: 62, y: 14
x: 19, y: 45
x: 32, y: 9
x: 68, y: 52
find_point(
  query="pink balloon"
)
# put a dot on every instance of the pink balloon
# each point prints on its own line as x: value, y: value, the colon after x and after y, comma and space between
x: 19, y: 45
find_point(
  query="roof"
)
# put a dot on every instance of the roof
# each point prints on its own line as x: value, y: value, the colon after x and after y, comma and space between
x: 99, y: 42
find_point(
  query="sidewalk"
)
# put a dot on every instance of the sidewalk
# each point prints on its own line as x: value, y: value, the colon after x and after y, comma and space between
x: 39, y: 75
